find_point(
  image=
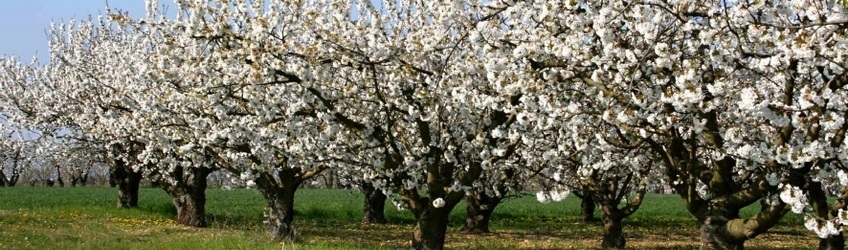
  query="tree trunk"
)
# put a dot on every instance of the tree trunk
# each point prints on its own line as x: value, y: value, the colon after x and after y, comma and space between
x: 113, y: 178
x: 712, y: 237
x: 613, y: 231
x: 587, y: 208
x: 189, y: 195
x: 14, y: 180
x: 375, y: 204
x: 3, y: 181
x: 191, y: 208
x: 281, y: 214
x: 128, y: 182
x: 59, y: 177
x: 835, y: 242
x: 478, y: 212
x: 280, y: 198
x: 430, y: 228
x: 130, y: 191
x: 84, y: 178
x: 10, y: 181
x: 714, y: 234
x: 818, y: 201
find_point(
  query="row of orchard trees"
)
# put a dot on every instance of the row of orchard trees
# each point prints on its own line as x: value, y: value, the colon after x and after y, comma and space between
x: 732, y: 102
x: 34, y: 158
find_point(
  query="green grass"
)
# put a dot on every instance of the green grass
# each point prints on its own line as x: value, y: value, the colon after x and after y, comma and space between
x: 86, y: 218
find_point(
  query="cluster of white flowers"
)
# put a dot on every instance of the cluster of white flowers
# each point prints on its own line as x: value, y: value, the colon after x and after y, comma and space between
x: 823, y: 229
x: 793, y: 196
x: 438, y: 203
x: 555, y: 195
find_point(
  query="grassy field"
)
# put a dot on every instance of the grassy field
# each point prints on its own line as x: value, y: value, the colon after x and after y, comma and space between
x: 86, y: 218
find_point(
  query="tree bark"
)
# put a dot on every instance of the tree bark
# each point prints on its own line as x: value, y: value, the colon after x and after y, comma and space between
x: 129, y: 191
x: 128, y: 182
x: 280, y: 217
x: 431, y: 222
x: 3, y: 181
x: 191, y: 208
x: 59, y: 177
x: 84, y: 178
x: 375, y: 205
x: 10, y: 181
x: 613, y: 231
x: 718, y: 214
x: 722, y: 227
x: 16, y: 174
x: 818, y: 201
x: 712, y: 237
x: 587, y: 208
x: 113, y: 178
x: 280, y: 198
x: 478, y: 212
x: 430, y: 229
x: 836, y: 242
x: 188, y: 194
x: 714, y: 231
x: 281, y: 214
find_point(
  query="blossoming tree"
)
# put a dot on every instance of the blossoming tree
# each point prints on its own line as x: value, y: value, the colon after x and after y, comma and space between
x: 240, y: 103
x: 413, y: 84
x: 740, y: 100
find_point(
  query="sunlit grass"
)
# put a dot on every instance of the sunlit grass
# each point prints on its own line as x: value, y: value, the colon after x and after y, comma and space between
x: 86, y: 218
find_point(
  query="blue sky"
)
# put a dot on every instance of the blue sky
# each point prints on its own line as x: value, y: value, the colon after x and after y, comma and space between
x: 24, y: 23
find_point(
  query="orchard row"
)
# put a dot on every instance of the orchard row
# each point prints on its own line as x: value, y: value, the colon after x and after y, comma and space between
x: 729, y: 102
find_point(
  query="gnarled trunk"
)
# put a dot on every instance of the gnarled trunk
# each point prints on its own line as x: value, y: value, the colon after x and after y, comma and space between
x: 79, y: 179
x: 835, y: 242
x: 819, y: 202
x: 3, y: 181
x: 113, y: 178
x: 191, y: 208
x: 279, y: 194
x: 722, y: 227
x: 430, y: 228
x: 14, y: 178
x: 281, y: 214
x: 613, y: 231
x: 128, y: 190
x: 59, y: 177
x: 431, y: 215
x: 375, y: 205
x: 718, y: 214
x: 478, y: 212
x: 587, y: 208
x: 188, y: 193
x: 481, y: 205
x: 714, y: 229
x: 84, y: 178
x: 127, y: 181
x: 713, y: 237
x: 10, y: 181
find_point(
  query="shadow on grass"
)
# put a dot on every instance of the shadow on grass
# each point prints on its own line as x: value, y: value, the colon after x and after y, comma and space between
x: 160, y: 208
x: 344, y: 233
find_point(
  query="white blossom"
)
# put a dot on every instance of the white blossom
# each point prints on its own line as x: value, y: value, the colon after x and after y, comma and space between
x: 438, y: 203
